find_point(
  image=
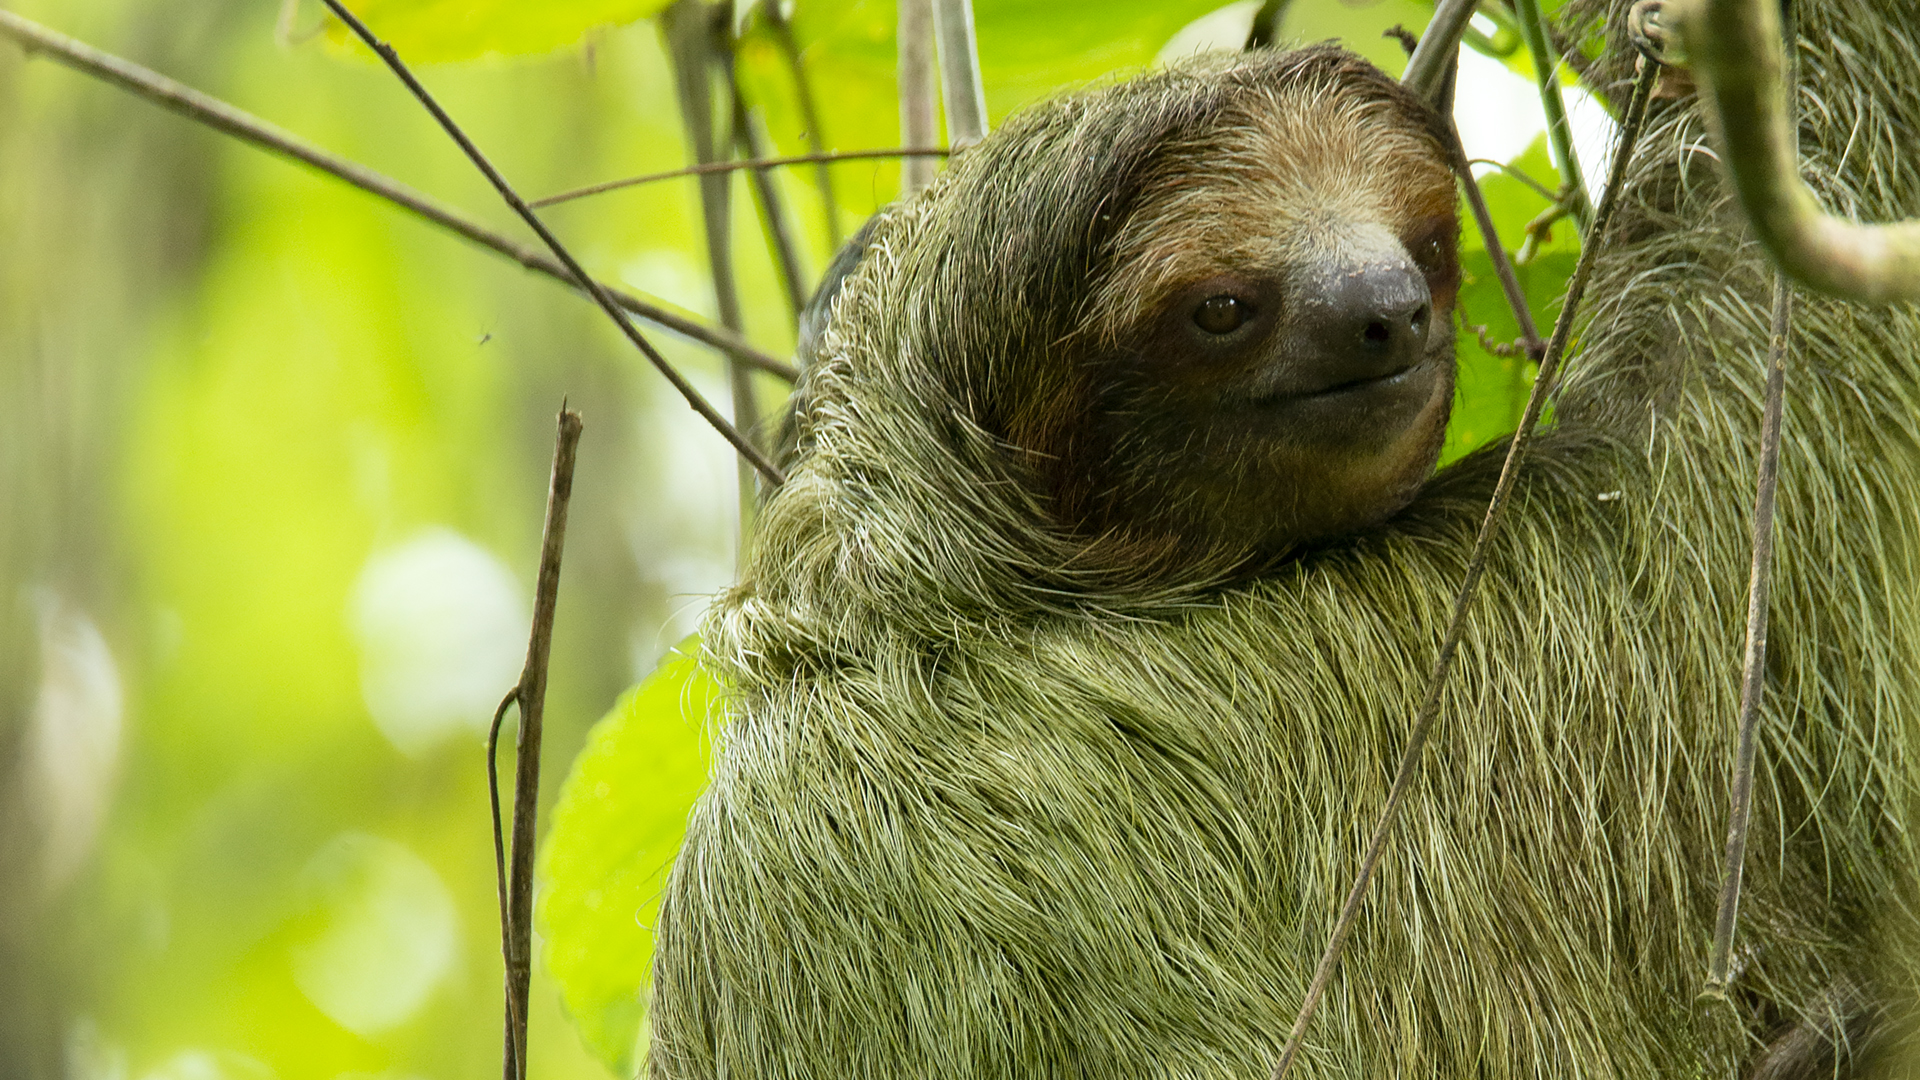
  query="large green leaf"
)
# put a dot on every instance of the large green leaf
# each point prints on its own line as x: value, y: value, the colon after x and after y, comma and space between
x: 432, y: 31
x: 620, y: 818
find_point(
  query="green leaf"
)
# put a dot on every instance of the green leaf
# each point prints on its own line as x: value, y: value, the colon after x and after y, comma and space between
x: 619, y: 821
x: 436, y: 31
x: 1492, y: 390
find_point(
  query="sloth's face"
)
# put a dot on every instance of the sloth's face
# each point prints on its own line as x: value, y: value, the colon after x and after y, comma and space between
x: 1280, y: 360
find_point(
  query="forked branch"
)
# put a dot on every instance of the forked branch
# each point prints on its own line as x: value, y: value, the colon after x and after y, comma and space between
x: 530, y: 694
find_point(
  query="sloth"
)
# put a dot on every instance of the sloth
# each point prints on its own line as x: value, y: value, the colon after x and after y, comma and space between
x: 1069, y: 669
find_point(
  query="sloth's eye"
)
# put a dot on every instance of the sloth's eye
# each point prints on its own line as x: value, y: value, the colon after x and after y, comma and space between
x: 1221, y: 314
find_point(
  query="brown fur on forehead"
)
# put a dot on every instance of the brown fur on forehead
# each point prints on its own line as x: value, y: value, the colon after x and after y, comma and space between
x: 1251, y: 191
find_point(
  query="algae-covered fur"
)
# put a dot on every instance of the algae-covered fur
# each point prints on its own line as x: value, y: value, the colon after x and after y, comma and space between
x: 989, y: 806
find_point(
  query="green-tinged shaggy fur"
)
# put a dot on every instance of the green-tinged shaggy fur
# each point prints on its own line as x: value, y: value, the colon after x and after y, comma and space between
x: 982, y: 811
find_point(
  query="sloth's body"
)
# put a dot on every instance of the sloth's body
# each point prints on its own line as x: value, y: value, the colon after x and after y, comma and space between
x: 1022, y: 781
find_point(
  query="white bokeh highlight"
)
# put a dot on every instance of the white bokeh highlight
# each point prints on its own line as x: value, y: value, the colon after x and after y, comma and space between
x: 73, y: 739
x: 441, y: 625
x: 386, y: 933
x: 210, y: 1065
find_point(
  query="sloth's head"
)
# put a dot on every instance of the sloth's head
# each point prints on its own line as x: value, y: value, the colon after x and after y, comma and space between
x: 1275, y: 333
x: 1262, y: 353
x: 1204, y: 314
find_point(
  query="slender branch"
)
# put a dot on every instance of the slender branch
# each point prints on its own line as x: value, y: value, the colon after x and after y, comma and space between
x: 599, y: 294
x: 809, y: 115
x: 1546, y: 65
x: 1483, y: 217
x: 1497, y: 251
x: 960, y: 85
x: 919, y: 127
x: 530, y: 694
x: 246, y: 127
x: 512, y: 1054
x: 1753, y: 676
x: 699, y: 41
x: 751, y: 138
x: 1427, y: 67
x: 1476, y: 566
x: 1518, y: 174
x: 828, y: 157
x: 1740, y: 64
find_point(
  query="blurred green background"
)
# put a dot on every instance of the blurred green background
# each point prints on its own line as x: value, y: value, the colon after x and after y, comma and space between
x: 272, y: 467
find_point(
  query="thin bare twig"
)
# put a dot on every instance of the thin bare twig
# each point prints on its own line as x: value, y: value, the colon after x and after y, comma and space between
x: 1497, y: 251
x: 809, y: 115
x: 1753, y: 676
x: 1476, y: 566
x: 530, y: 694
x: 512, y: 1053
x: 600, y: 295
x: 1503, y: 349
x: 827, y: 158
x: 1546, y: 65
x: 919, y: 127
x: 699, y: 41
x: 1518, y: 174
x: 750, y: 136
x: 698, y: 44
x: 1648, y: 27
x: 1483, y: 217
x: 1737, y: 57
x: 222, y: 117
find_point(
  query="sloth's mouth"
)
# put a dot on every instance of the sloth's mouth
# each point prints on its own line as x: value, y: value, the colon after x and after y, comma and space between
x: 1335, y: 391
x: 1367, y: 382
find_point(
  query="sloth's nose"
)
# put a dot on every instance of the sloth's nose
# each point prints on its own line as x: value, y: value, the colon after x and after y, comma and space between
x: 1377, y: 313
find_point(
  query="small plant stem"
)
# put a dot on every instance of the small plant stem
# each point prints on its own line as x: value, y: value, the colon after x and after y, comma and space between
x: 224, y: 118
x: 751, y: 139
x: 1546, y: 65
x: 1497, y: 251
x: 1539, y: 230
x: 699, y: 41
x: 809, y: 115
x: 1409, y: 768
x: 735, y: 166
x: 919, y: 126
x: 1753, y: 676
x: 592, y: 287
x: 530, y: 694
x: 1517, y: 174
